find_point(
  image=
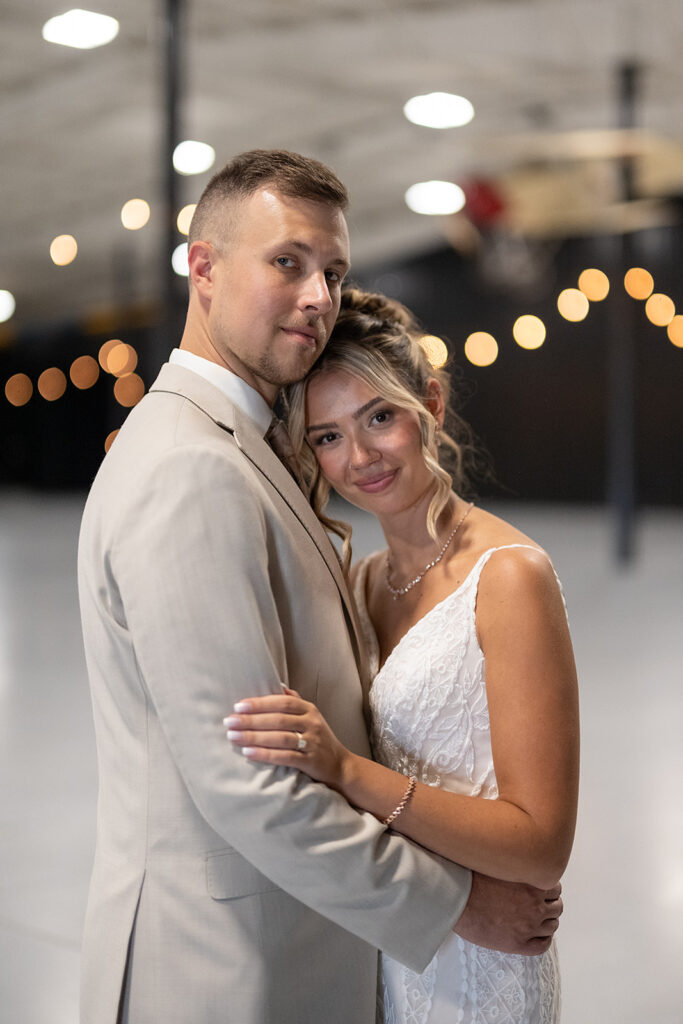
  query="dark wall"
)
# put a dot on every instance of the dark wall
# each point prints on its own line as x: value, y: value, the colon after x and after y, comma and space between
x: 541, y: 414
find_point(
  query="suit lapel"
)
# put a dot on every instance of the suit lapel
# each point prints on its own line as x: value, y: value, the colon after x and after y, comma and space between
x: 259, y: 452
x: 216, y: 405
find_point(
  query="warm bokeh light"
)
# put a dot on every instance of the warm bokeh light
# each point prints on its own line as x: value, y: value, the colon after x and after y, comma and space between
x: 639, y: 283
x: 594, y: 284
x: 103, y: 355
x: 435, y: 349
x: 81, y: 29
x: 529, y: 331
x: 84, y: 372
x: 192, y: 157
x: 660, y: 309
x: 7, y: 305
x: 572, y: 304
x: 179, y: 260
x: 481, y: 348
x: 121, y: 359
x: 435, y: 198
x: 439, y: 110
x: 109, y: 439
x: 185, y: 218
x: 51, y: 384
x: 675, y: 331
x: 18, y: 389
x: 63, y: 250
x: 129, y: 390
x: 135, y: 214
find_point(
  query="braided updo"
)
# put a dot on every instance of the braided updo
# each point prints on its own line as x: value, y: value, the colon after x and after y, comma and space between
x: 376, y: 339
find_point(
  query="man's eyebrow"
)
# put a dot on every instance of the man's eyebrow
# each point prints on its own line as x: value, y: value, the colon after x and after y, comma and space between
x: 293, y: 243
x: 356, y: 416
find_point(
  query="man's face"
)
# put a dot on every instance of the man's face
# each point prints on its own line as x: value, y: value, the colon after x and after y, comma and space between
x: 275, y: 286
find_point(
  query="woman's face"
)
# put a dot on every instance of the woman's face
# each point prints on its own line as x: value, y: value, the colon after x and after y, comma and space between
x: 368, y: 449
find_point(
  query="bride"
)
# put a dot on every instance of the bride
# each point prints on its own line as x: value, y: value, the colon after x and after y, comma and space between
x: 473, y: 704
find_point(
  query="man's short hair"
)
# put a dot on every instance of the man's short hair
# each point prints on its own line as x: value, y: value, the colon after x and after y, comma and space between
x: 293, y: 175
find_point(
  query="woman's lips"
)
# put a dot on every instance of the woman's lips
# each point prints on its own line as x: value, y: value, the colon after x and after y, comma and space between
x: 376, y: 483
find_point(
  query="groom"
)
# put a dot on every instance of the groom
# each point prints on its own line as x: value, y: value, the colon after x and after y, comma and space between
x: 225, y: 891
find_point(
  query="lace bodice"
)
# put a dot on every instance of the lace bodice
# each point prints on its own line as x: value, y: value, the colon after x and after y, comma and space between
x: 430, y: 718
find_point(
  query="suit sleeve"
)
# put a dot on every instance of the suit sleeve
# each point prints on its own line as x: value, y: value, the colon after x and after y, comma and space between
x: 191, y: 561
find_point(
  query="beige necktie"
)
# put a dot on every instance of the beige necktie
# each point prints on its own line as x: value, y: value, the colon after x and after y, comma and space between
x: 278, y: 439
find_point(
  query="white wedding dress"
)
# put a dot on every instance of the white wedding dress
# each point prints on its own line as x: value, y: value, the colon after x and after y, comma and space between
x: 430, y: 719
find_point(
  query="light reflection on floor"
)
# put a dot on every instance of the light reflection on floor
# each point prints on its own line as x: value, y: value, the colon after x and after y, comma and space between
x: 621, y: 941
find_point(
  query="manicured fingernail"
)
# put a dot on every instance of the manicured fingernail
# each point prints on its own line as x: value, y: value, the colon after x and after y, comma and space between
x: 233, y: 735
x: 231, y: 721
x: 248, y: 751
x: 243, y: 705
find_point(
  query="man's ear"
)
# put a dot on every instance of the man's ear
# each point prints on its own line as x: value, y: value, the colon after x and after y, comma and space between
x: 200, y: 259
x: 435, y: 401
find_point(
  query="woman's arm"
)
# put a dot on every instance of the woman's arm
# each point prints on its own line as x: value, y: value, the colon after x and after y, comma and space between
x: 526, y: 834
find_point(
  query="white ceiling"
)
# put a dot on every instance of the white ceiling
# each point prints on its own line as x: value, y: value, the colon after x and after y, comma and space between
x: 81, y: 130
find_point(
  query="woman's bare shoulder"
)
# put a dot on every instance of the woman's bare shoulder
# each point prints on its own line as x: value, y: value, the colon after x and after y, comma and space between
x: 517, y: 566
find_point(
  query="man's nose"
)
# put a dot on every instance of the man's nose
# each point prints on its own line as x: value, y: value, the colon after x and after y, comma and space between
x: 315, y: 294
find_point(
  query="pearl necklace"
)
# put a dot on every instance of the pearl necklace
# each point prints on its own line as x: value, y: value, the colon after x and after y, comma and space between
x: 400, y: 591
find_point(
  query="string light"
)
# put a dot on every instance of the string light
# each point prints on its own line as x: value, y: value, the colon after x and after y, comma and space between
x: 18, y: 389
x: 594, y: 284
x: 435, y: 349
x: 529, y: 331
x: 572, y: 305
x: 660, y: 309
x: 481, y: 348
x: 121, y: 359
x: 103, y: 354
x: 84, y: 372
x: 185, y: 218
x: 675, y: 331
x: 109, y: 440
x: 63, y: 250
x: 135, y: 214
x: 129, y: 390
x: 51, y: 384
x: 639, y: 283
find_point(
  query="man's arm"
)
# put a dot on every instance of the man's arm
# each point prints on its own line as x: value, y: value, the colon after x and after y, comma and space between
x: 191, y: 559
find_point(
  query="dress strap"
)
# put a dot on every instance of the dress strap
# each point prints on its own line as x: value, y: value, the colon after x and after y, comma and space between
x: 473, y: 578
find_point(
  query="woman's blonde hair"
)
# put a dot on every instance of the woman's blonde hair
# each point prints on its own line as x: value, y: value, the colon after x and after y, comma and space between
x: 376, y: 339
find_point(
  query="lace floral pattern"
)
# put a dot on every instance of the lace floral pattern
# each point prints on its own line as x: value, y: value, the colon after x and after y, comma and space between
x: 430, y: 718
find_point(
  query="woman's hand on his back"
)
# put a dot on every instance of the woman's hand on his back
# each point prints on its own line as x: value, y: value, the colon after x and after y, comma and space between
x: 284, y: 729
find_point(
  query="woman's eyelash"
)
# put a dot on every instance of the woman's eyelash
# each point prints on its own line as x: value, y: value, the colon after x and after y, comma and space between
x: 381, y: 412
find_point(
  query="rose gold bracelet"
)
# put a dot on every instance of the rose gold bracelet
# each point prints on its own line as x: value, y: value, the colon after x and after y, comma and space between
x: 403, y: 803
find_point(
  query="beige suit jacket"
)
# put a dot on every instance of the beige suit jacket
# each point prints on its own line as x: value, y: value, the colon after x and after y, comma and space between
x: 225, y: 891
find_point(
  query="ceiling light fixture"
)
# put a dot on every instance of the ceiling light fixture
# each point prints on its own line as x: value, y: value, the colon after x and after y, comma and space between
x: 439, y: 110
x: 435, y: 198
x: 82, y: 29
x: 7, y: 305
x: 191, y: 157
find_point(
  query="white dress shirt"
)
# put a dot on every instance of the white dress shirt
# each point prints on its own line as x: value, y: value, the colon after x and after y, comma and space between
x: 246, y: 398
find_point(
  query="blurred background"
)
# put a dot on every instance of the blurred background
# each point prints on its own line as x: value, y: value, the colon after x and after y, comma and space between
x: 516, y: 177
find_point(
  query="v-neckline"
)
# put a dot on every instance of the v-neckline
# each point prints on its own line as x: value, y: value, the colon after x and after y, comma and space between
x: 439, y: 604
x: 414, y: 626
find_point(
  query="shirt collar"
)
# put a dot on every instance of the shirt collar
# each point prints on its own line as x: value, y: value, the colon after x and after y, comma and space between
x: 241, y: 394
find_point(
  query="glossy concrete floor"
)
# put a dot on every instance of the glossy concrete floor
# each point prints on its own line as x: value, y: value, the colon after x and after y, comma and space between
x: 621, y: 940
